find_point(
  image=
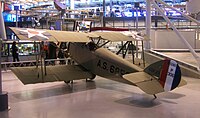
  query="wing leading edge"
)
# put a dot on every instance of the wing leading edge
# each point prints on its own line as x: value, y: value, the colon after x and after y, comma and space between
x: 49, y: 35
x: 68, y: 36
x: 32, y: 75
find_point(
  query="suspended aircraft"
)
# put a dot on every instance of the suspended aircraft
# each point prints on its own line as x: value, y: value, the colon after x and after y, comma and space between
x: 74, y: 14
x: 35, y: 13
x: 47, y: 12
x: 92, y: 59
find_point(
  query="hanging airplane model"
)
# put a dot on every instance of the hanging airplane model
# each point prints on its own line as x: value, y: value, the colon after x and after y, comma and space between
x: 36, y: 13
x: 92, y: 59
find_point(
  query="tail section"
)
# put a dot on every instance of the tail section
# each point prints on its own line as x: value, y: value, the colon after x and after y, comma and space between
x: 167, y: 72
x: 161, y: 76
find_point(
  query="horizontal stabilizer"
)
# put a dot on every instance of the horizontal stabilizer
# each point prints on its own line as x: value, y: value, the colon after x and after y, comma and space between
x: 161, y: 76
x: 32, y: 75
x: 182, y: 83
x: 145, y: 82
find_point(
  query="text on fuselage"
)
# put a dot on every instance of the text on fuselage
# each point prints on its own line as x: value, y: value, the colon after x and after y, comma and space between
x: 111, y: 68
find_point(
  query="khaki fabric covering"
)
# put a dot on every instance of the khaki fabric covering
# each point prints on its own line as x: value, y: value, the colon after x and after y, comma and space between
x: 32, y: 75
x: 53, y: 35
x: 68, y: 36
x: 113, y: 36
x: 148, y: 83
x: 145, y: 82
x: 22, y: 36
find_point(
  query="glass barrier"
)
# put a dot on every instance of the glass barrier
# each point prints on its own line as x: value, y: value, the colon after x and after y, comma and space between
x: 24, y: 48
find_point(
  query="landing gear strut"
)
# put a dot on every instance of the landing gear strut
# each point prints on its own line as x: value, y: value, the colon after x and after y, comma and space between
x: 154, y: 96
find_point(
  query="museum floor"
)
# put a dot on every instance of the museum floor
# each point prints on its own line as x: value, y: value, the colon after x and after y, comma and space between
x: 99, y: 99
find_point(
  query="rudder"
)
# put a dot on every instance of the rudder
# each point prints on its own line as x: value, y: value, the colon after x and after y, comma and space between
x: 167, y: 72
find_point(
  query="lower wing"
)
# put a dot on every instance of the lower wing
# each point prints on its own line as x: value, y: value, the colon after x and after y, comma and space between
x: 32, y: 75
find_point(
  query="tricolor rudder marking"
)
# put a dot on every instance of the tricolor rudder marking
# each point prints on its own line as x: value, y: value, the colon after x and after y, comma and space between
x: 170, y: 75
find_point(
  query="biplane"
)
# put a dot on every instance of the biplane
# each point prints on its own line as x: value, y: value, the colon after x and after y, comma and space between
x: 92, y: 59
x: 36, y: 13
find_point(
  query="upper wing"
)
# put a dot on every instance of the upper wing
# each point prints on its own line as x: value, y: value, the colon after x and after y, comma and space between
x: 112, y: 36
x: 136, y: 35
x: 49, y: 35
x: 68, y: 36
x: 119, y: 34
x: 32, y: 75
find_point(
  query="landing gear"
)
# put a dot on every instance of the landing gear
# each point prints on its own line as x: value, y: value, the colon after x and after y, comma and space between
x: 91, y: 79
x: 67, y: 82
x: 154, y: 96
x: 87, y: 80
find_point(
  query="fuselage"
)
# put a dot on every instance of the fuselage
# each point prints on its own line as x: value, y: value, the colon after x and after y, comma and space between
x: 101, y: 62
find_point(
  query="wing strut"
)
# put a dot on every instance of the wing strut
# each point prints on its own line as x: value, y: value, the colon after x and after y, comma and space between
x: 104, y: 44
x: 37, y: 60
x: 132, y: 50
x: 155, y: 96
x: 42, y: 61
x: 130, y: 44
x: 122, y: 47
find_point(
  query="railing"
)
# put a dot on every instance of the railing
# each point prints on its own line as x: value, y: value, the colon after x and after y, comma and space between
x: 6, y: 65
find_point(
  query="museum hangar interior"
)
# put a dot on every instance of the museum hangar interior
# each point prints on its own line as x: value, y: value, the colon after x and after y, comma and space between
x: 170, y: 34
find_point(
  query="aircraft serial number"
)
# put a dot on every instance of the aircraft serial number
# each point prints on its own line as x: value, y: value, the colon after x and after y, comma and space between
x: 110, y: 68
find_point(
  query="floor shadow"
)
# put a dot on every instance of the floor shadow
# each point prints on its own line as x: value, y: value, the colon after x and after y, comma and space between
x: 4, y: 114
x: 147, y: 101
x: 115, y: 86
x: 51, y: 91
x: 167, y: 101
x: 171, y: 95
x: 140, y: 100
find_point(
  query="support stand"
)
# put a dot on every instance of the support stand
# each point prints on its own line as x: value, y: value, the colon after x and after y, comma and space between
x: 3, y: 95
x: 3, y: 101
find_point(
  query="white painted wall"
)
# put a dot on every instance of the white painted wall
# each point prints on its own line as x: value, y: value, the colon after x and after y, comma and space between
x: 167, y: 39
x: 193, y: 6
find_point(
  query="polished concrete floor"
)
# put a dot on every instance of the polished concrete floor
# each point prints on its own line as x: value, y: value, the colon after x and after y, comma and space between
x: 99, y: 99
